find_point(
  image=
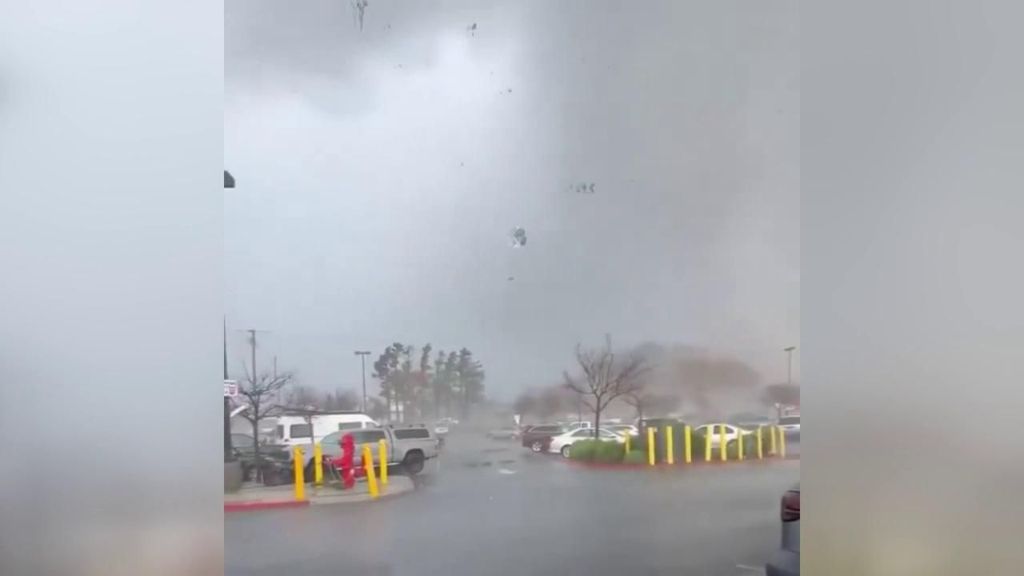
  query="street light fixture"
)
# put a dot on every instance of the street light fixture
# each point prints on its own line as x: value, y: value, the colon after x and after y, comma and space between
x: 362, y: 359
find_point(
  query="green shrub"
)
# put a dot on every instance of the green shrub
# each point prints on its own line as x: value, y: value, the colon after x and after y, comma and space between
x: 635, y: 457
x: 584, y: 450
x: 609, y: 452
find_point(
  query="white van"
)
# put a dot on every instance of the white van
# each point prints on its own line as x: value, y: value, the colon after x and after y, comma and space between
x: 295, y: 430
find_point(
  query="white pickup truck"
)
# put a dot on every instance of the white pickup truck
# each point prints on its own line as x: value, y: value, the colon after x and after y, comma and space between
x: 407, y: 446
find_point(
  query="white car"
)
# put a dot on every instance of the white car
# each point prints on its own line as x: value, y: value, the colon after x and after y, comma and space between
x: 562, y: 443
x: 731, y: 432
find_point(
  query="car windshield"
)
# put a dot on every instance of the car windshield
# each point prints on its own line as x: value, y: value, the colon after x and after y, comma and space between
x: 453, y: 219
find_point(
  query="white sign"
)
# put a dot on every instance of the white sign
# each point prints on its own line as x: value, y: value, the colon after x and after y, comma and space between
x: 230, y: 388
x: 517, y: 418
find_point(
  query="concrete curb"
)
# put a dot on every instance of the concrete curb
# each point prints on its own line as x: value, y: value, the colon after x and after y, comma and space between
x: 398, y: 486
x: 677, y: 465
x: 251, y: 505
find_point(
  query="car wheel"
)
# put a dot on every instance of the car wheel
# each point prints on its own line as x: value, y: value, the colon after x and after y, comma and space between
x: 537, y: 446
x: 566, y: 449
x: 413, y: 463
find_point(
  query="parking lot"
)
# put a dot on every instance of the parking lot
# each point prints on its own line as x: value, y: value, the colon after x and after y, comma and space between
x: 491, y: 507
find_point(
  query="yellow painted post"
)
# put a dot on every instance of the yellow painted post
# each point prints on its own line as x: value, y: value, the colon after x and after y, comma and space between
x: 782, y: 443
x: 739, y: 445
x: 318, y: 464
x: 382, y: 449
x: 669, y: 456
x: 773, y: 450
x: 686, y: 443
x: 300, y: 483
x: 371, y: 475
x: 650, y: 446
x: 760, y: 452
x: 722, y: 444
x: 708, y: 435
x: 627, y: 442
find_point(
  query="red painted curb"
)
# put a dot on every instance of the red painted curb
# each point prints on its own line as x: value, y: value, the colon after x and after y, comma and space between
x: 677, y: 465
x: 246, y: 506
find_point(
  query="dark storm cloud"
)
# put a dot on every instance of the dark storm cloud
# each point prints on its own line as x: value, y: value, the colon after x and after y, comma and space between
x: 385, y: 169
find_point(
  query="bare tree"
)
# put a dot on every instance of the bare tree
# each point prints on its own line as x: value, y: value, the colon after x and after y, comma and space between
x: 647, y: 401
x: 259, y: 394
x: 305, y: 397
x: 605, y: 377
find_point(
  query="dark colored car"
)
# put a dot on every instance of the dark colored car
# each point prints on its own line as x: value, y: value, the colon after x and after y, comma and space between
x: 660, y: 423
x: 275, y: 461
x: 538, y: 438
x: 504, y: 433
x: 786, y: 561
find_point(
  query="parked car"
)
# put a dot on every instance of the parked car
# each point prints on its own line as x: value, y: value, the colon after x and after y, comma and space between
x: 660, y: 423
x: 275, y: 461
x: 304, y: 430
x: 731, y: 432
x: 562, y: 443
x: 503, y: 433
x: 786, y: 560
x: 537, y: 438
x: 407, y: 446
x: 624, y: 429
x: 790, y: 424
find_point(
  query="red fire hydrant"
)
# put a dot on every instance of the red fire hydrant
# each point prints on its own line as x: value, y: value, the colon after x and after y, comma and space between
x: 348, y: 450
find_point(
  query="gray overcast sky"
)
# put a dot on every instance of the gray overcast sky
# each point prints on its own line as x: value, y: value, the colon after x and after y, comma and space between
x: 380, y: 173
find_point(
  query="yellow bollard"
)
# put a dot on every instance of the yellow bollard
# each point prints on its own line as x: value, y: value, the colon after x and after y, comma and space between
x: 298, y: 462
x: 318, y: 464
x: 723, y: 446
x: 371, y: 475
x: 708, y: 435
x: 782, y: 443
x: 739, y: 445
x: 650, y: 446
x: 772, y: 449
x: 686, y: 443
x: 382, y: 450
x: 628, y: 435
x: 669, y: 456
x: 760, y: 454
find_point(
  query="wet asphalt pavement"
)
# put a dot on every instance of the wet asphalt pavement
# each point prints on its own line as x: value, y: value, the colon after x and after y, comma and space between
x: 489, y: 507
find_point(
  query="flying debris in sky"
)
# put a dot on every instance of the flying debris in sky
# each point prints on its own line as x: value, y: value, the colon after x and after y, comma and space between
x: 472, y: 29
x: 358, y: 11
x: 518, y: 236
x: 583, y: 188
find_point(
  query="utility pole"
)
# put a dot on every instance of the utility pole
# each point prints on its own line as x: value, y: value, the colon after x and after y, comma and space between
x: 789, y: 375
x: 362, y: 359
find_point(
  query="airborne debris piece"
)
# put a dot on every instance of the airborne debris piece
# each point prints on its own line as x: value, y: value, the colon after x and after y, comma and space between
x: 518, y: 237
x: 583, y: 188
x: 511, y: 278
x: 472, y: 29
x: 359, y: 11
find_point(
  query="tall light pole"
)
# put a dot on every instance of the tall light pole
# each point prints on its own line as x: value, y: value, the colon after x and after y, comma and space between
x: 789, y: 364
x: 362, y: 359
